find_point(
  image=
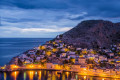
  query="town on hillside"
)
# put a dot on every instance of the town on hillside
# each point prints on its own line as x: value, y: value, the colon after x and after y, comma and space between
x: 55, y: 54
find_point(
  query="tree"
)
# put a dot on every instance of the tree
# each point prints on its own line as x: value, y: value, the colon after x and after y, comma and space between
x: 38, y: 52
x: 65, y: 62
x: 103, y: 64
x: 20, y: 63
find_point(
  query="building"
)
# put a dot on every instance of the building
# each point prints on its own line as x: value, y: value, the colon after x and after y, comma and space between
x: 81, y: 60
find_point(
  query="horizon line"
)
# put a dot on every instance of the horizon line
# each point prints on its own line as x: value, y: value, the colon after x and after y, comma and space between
x: 26, y: 37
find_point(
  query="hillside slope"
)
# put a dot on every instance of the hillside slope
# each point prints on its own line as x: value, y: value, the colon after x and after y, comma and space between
x: 93, y: 34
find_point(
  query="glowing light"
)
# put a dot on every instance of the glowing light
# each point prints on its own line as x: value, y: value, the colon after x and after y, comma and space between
x: 36, y: 73
x: 39, y: 75
x: 24, y: 75
x: 73, y: 60
x: 14, y: 66
x: 76, y: 77
x: 85, y: 69
x: 5, y: 76
x: 103, y: 79
x: 66, y: 49
x: 48, y: 53
x: 15, y: 74
x: 30, y: 66
x: 63, y: 77
x: 54, y: 49
x: 31, y: 75
x: 54, y: 42
x: 39, y: 66
x: 49, y: 76
x: 85, y: 77
x: 84, y: 51
x: 3, y: 67
x: 41, y: 47
x: 53, y: 77
x: 67, y: 73
x: 57, y: 66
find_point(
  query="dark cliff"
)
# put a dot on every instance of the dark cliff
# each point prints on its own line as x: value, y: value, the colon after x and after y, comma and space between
x: 93, y: 34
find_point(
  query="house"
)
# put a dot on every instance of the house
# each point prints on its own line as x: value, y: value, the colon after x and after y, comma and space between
x: 27, y: 62
x: 102, y: 58
x: 56, y: 66
x: 53, y: 55
x: 72, y: 56
x: 23, y: 56
x: 111, y: 54
x: 57, y: 41
x: 61, y: 45
x: 50, y: 47
x: 81, y: 60
x: 68, y: 57
x: 42, y: 47
x: 96, y: 59
x: 84, y: 51
x: 32, y: 56
x: 110, y: 60
x: 96, y: 55
x: 37, y: 58
x: 78, y: 49
x: 63, y: 55
x: 117, y: 64
x: 75, y: 67
x: 42, y: 56
x: 49, y: 65
x: 43, y: 52
x: 90, y: 55
x: 58, y: 36
x: 71, y: 53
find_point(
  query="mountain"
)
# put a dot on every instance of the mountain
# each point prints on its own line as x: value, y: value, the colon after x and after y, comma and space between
x: 93, y: 34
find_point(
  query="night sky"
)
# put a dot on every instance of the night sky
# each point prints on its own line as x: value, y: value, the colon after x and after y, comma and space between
x: 48, y: 18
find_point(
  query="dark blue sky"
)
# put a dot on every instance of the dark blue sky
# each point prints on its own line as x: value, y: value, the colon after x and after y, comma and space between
x: 47, y: 18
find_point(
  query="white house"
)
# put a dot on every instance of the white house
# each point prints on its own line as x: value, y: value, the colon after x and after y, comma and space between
x: 23, y: 56
x: 37, y: 58
x: 71, y: 53
x: 27, y: 61
x: 72, y: 56
x: 63, y: 55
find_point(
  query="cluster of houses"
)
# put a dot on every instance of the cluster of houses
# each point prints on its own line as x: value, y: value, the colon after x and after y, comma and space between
x: 57, y: 52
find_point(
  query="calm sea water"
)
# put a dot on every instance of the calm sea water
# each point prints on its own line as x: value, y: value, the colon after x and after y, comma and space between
x: 10, y: 47
x: 46, y: 75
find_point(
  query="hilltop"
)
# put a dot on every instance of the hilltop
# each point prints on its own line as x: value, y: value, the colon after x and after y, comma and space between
x: 93, y: 34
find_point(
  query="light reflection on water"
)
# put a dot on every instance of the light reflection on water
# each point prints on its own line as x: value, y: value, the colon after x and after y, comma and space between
x: 15, y: 74
x: 46, y: 75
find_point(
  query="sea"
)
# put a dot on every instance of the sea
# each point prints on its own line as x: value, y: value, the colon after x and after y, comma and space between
x: 11, y: 47
x: 47, y: 75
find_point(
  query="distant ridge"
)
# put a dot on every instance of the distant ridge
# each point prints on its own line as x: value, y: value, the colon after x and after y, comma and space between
x: 93, y: 34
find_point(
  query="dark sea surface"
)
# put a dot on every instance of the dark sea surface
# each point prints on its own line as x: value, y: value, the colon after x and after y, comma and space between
x: 46, y: 75
x: 10, y: 47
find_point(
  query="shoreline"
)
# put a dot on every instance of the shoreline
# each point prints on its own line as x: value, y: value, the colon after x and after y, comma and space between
x: 61, y: 71
x: 39, y: 69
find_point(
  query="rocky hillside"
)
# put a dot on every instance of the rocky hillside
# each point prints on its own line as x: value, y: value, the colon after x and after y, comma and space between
x: 93, y: 34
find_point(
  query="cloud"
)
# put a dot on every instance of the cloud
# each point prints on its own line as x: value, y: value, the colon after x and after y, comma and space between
x: 24, y: 30
x: 39, y: 18
x: 103, y: 8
